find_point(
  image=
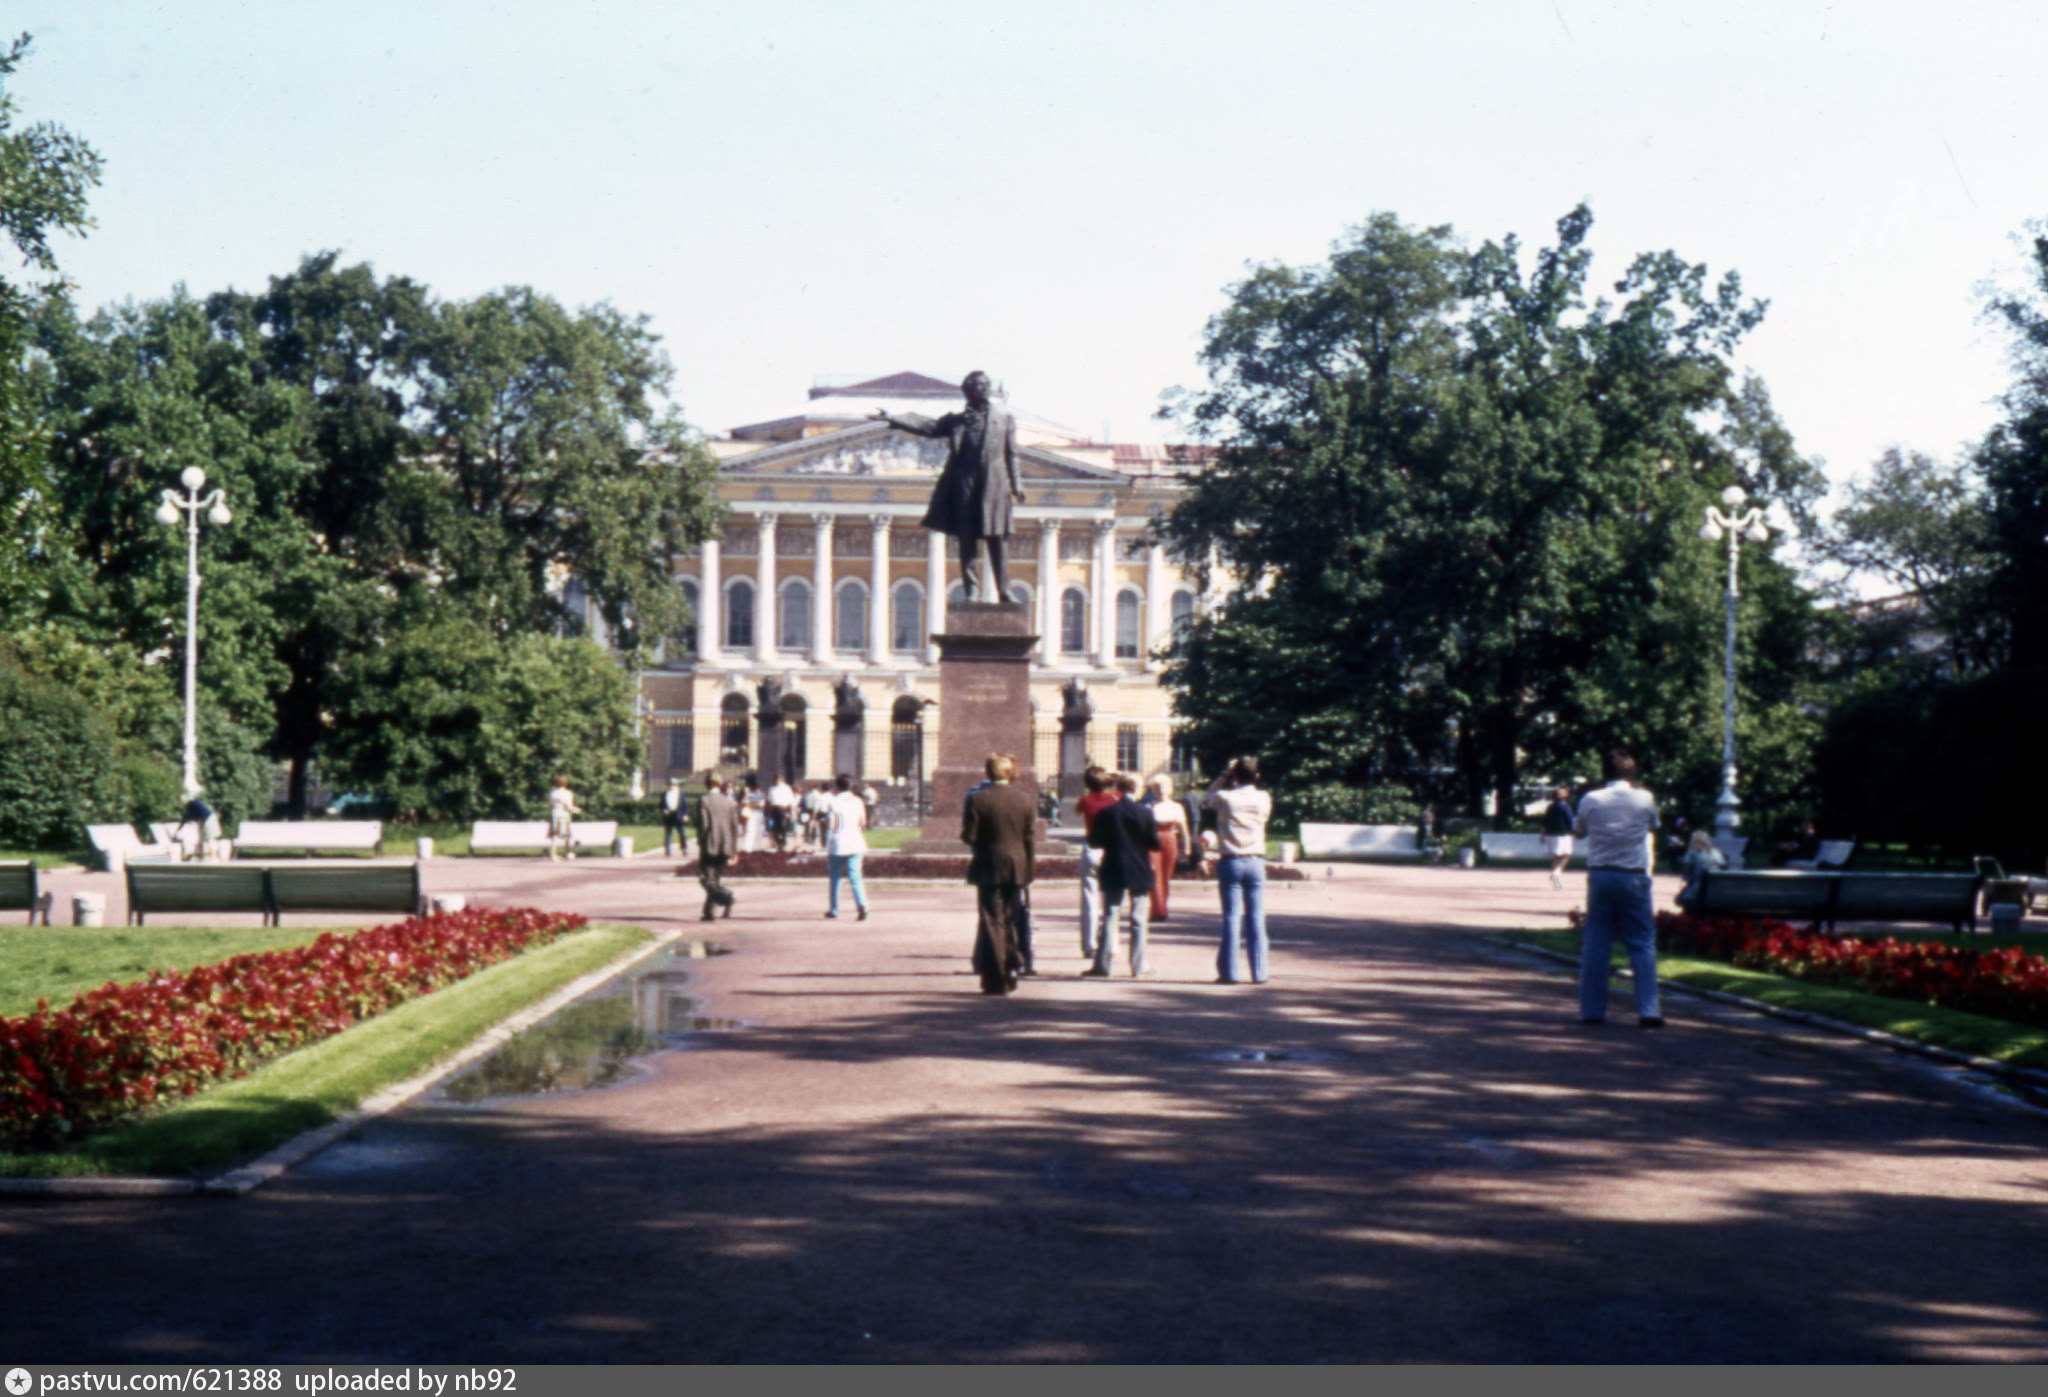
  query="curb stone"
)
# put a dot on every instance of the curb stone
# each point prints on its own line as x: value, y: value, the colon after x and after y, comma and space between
x: 2030, y: 1077
x: 237, y: 1182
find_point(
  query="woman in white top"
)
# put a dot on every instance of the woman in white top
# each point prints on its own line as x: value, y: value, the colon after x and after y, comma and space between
x: 753, y: 818
x: 846, y: 844
x: 1173, y: 840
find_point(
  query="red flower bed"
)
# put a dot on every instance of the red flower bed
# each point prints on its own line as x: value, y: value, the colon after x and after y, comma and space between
x: 119, y: 1048
x: 2004, y: 984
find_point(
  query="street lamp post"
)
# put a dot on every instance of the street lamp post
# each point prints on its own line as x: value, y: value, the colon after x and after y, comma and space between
x: 1738, y: 525
x: 167, y: 514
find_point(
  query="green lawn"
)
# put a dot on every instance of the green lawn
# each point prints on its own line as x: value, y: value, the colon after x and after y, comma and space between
x: 2018, y: 1044
x: 60, y: 963
x: 310, y: 1087
x: 42, y: 858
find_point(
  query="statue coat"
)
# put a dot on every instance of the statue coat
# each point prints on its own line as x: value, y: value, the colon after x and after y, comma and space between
x: 972, y: 498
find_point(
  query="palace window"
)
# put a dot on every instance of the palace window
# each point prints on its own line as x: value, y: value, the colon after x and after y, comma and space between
x: 1129, y: 607
x: 795, y: 630
x: 1127, y: 747
x: 739, y: 614
x: 850, y: 615
x: 906, y: 618
x: 1073, y: 622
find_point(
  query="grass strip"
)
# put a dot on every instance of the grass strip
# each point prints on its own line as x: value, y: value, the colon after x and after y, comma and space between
x: 61, y: 963
x: 315, y: 1084
x: 2019, y: 1045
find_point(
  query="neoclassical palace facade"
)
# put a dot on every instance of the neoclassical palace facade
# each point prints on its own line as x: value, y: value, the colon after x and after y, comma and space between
x: 815, y: 608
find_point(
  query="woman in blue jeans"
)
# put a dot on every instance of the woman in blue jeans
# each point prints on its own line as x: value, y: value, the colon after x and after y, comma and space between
x: 1242, y: 810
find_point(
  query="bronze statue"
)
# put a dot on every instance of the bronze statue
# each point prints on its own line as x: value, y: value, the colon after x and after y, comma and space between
x: 973, y: 498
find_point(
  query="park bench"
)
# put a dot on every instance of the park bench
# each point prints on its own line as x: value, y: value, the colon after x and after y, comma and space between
x: 118, y: 845
x: 309, y: 837
x: 21, y: 890
x: 1833, y: 853
x: 1833, y: 897
x: 521, y: 836
x: 1520, y: 848
x: 1359, y: 841
x: 272, y: 891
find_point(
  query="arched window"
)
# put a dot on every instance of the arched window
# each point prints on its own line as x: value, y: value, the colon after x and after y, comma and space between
x: 906, y: 618
x: 1181, y: 611
x: 739, y: 614
x: 956, y: 594
x: 1073, y: 622
x: 1128, y: 627
x: 850, y: 615
x: 684, y: 643
x: 794, y: 629
x: 733, y: 730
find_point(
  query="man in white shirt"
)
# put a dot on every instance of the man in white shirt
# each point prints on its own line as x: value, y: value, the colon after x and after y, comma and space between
x: 1618, y: 822
x: 1242, y: 810
x: 846, y: 844
x: 781, y: 809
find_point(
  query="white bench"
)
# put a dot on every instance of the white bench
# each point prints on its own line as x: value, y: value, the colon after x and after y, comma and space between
x: 1521, y: 848
x: 1359, y: 841
x: 518, y: 836
x: 119, y: 845
x: 309, y: 836
x: 1833, y: 854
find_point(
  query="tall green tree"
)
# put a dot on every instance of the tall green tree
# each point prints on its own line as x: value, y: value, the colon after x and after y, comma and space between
x: 1459, y: 494
x: 46, y: 173
x: 393, y: 462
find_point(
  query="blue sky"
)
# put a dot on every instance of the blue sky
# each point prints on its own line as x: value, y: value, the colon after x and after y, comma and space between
x: 1061, y: 192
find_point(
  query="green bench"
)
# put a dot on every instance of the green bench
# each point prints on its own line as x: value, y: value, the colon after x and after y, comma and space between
x: 1833, y: 897
x: 21, y: 890
x: 272, y: 891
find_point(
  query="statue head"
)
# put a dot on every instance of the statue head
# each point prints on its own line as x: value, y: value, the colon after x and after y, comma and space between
x: 976, y: 387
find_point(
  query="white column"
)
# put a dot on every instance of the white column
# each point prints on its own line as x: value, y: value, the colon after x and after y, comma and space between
x: 1157, y: 617
x: 878, y: 591
x: 710, y: 603
x: 1048, y: 591
x: 935, y: 592
x: 1102, y: 586
x: 821, y: 593
x: 764, y: 591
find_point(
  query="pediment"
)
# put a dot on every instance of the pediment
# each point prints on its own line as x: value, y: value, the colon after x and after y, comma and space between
x: 877, y: 451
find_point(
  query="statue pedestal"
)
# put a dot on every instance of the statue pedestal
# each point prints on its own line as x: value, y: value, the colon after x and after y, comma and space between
x: 984, y: 706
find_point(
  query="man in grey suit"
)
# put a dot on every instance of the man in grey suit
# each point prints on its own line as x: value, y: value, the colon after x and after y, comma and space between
x: 973, y: 497
x: 718, y: 839
x: 998, y: 825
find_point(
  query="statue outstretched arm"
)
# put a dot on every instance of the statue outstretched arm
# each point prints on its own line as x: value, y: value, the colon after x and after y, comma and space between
x: 914, y: 424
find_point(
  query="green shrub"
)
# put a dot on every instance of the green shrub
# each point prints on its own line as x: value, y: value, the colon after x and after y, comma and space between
x: 59, y: 764
x: 1347, y: 805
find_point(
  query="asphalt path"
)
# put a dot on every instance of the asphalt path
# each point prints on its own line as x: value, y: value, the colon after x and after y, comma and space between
x: 1405, y: 1147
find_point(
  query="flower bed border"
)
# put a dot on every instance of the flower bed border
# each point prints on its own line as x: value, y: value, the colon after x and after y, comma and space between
x: 121, y: 1048
x: 2005, y: 983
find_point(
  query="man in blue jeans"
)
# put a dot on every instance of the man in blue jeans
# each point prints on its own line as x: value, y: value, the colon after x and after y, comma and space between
x: 1618, y: 823
x: 1242, y: 810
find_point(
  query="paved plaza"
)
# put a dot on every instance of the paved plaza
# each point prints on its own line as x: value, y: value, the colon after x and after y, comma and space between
x: 1405, y: 1147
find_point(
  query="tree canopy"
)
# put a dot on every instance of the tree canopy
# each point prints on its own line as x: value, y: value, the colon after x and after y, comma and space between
x: 1459, y: 493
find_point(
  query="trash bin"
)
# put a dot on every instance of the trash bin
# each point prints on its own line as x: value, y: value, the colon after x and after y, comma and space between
x: 1289, y: 851
x: 1468, y: 857
x: 622, y: 847
x: 88, y: 909
x: 447, y: 902
x: 423, y: 847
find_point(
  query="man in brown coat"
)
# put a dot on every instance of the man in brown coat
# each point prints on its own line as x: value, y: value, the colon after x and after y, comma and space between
x: 718, y: 839
x: 999, y: 826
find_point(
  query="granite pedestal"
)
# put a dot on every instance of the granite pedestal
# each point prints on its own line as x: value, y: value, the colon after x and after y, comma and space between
x: 984, y: 706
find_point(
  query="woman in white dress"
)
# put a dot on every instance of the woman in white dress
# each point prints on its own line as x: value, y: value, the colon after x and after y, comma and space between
x: 753, y: 818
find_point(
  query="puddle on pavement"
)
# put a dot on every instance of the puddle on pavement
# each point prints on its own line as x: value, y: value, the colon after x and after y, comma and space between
x: 595, y: 1041
x: 1263, y: 1057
